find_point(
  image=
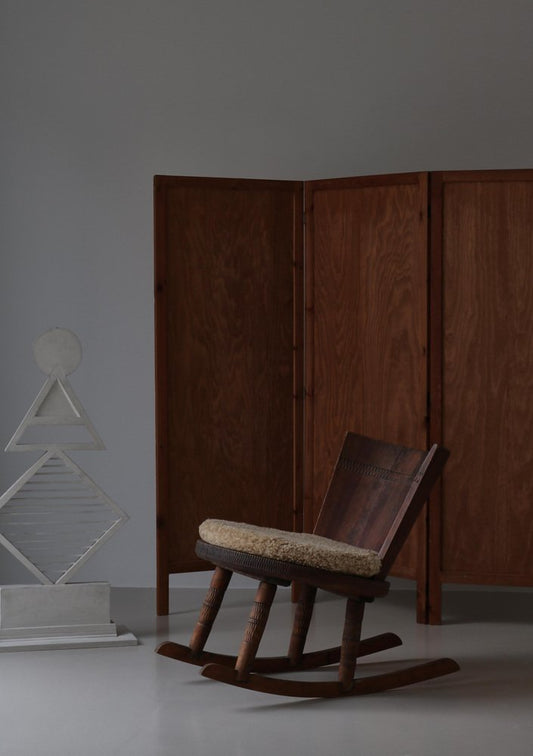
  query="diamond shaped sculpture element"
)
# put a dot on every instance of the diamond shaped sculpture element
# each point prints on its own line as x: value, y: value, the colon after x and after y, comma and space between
x: 55, y: 517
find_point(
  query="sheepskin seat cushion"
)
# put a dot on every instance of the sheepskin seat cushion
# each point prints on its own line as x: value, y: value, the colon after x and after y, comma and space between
x: 300, y: 548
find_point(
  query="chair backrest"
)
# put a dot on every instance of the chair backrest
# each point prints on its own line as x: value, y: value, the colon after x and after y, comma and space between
x: 376, y: 493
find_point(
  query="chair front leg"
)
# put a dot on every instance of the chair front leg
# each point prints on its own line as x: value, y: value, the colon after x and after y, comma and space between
x: 209, y: 611
x: 350, y: 642
x: 302, y: 619
x: 254, y: 629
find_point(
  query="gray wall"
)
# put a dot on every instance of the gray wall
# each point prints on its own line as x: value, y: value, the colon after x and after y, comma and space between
x: 99, y: 95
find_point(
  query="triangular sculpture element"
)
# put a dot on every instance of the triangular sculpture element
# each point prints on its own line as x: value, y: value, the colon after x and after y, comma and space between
x: 57, y: 403
x: 57, y: 407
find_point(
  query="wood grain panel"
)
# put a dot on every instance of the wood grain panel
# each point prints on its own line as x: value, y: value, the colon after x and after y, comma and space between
x: 488, y: 376
x: 366, y: 252
x: 228, y: 267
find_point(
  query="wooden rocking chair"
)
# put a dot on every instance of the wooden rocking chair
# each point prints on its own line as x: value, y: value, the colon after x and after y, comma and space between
x: 374, y: 497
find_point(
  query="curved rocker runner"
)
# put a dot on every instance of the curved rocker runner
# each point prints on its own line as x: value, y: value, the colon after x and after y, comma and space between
x: 374, y: 497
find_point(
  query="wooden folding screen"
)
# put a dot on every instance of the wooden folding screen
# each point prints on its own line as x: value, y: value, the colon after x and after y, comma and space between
x: 366, y: 326
x: 228, y: 289
x: 419, y: 329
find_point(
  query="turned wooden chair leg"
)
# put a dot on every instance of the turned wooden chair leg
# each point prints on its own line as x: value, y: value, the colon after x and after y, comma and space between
x: 211, y: 605
x: 254, y: 629
x: 302, y: 619
x: 350, y: 642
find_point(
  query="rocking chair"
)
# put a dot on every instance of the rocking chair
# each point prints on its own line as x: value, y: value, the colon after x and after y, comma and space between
x: 374, y: 497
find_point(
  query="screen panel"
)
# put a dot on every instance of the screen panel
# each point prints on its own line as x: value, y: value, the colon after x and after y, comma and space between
x: 229, y: 377
x: 366, y: 293
x: 487, y: 376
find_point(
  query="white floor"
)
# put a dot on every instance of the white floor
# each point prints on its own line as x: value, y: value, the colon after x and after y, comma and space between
x: 118, y: 701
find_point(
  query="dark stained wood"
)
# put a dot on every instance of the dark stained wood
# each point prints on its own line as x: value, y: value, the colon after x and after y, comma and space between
x: 351, y: 636
x: 311, y: 689
x: 161, y: 398
x: 212, y: 602
x: 366, y: 314
x: 382, y: 486
x: 366, y: 491
x: 431, y: 605
x: 229, y: 359
x: 254, y: 629
x: 302, y: 620
x: 283, y: 573
x: 298, y: 360
x: 277, y: 664
x: 487, y: 380
x: 376, y: 493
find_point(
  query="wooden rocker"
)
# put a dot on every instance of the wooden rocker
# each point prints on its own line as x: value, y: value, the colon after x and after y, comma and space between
x: 374, y: 497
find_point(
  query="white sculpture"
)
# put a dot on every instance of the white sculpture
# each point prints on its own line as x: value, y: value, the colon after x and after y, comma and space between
x: 54, y: 517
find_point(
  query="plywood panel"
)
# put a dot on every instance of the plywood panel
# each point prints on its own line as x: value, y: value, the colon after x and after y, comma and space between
x: 228, y: 284
x: 487, y: 527
x: 366, y: 289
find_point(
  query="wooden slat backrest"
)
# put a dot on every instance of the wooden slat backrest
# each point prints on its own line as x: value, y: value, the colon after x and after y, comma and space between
x: 376, y: 493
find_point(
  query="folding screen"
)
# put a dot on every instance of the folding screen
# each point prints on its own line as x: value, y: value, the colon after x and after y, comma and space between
x: 418, y: 329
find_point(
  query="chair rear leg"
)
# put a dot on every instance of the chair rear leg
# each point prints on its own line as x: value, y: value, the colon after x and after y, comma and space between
x: 302, y: 619
x: 350, y: 642
x: 209, y: 611
x: 254, y: 629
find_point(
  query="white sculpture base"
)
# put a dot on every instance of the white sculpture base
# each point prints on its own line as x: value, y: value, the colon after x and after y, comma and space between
x: 71, y: 615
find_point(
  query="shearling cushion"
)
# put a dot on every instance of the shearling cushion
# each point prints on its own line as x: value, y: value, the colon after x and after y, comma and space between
x: 301, y: 548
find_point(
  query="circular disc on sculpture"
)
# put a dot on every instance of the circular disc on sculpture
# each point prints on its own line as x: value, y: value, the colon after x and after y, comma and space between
x: 57, y: 348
